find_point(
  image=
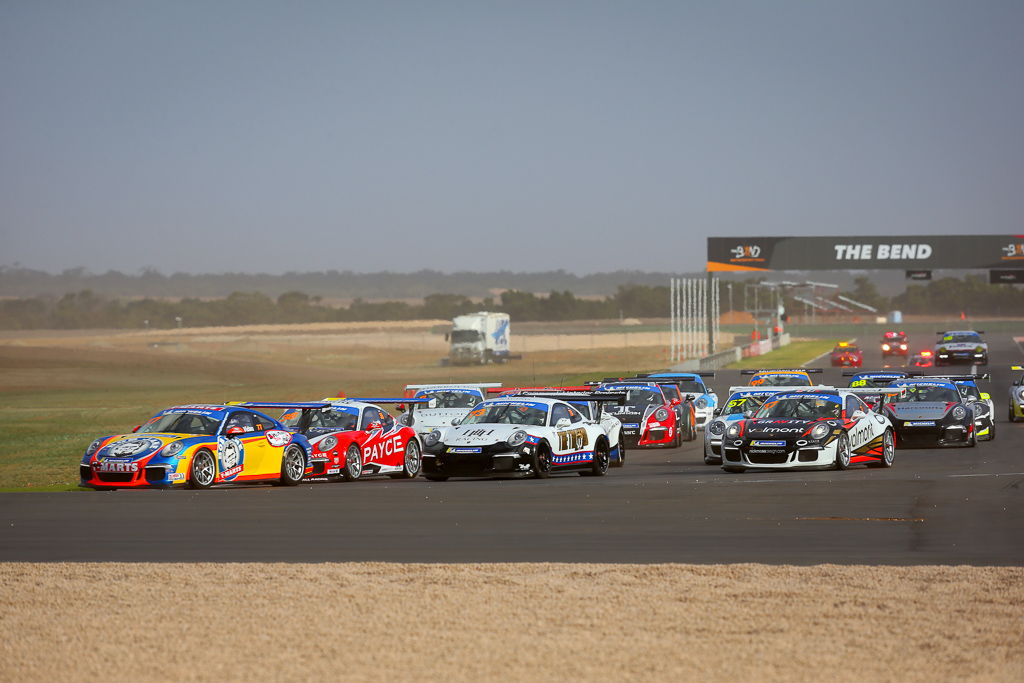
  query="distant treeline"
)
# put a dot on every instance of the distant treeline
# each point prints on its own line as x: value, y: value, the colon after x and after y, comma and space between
x: 86, y: 309
x: 331, y: 284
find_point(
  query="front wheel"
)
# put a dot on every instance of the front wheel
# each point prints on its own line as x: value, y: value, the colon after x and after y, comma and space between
x: 413, y: 462
x: 293, y: 465
x: 202, y: 471
x: 599, y: 465
x: 541, y: 466
x: 842, y: 452
x: 888, y: 450
x: 733, y: 470
x: 353, y: 468
x: 435, y: 477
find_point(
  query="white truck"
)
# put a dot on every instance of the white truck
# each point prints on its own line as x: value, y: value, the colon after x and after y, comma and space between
x: 479, y: 338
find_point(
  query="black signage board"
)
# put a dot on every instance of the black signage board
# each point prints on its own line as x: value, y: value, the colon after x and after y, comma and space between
x: 1005, y: 276
x: 889, y: 252
x: 919, y: 275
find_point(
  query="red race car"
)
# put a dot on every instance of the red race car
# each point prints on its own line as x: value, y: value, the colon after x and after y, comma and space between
x: 847, y: 355
x: 895, y: 344
x: 924, y: 359
x: 649, y: 418
x: 354, y: 437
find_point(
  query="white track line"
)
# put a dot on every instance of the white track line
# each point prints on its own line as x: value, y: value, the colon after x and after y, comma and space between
x: 998, y: 474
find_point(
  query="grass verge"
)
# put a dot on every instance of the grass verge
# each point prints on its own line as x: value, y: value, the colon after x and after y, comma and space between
x: 792, y: 356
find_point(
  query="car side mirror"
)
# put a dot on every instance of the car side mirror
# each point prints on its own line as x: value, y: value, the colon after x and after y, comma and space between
x: 400, y: 407
x: 676, y: 401
x: 137, y: 428
x: 748, y: 413
x: 970, y: 399
x: 562, y: 423
x: 235, y: 430
x: 858, y: 415
x: 985, y: 396
x: 716, y: 412
x: 456, y: 421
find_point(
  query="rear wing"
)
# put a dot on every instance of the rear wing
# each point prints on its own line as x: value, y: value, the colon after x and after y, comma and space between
x: 461, y: 385
x: 509, y: 390
x: 868, y: 391
x: 668, y: 374
x: 896, y: 374
x: 948, y: 331
x: 746, y: 389
x: 283, y: 405
x: 595, y: 396
x: 960, y: 378
x: 809, y: 371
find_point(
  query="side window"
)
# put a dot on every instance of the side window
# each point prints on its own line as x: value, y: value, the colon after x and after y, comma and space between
x: 559, y: 411
x: 574, y: 415
x: 852, y: 404
x: 241, y: 419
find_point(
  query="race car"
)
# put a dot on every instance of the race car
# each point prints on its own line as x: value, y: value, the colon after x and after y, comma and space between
x: 197, y: 446
x: 706, y: 400
x: 352, y: 438
x: 819, y: 429
x: 781, y: 378
x: 649, y: 418
x: 741, y: 404
x: 961, y: 346
x: 579, y: 397
x: 895, y: 344
x: 875, y: 379
x: 924, y: 359
x: 1016, y: 403
x: 985, y: 409
x: 445, y: 403
x: 847, y: 355
x: 682, y: 404
x: 519, y: 435
x: 930, y: 413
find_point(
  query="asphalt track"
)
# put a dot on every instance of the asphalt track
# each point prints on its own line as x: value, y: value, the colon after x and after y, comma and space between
x: 950, y: 506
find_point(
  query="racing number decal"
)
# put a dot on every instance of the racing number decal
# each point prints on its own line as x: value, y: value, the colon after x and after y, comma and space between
x: 859, y: 383
x: 574, y: 439
x: 736, y: 402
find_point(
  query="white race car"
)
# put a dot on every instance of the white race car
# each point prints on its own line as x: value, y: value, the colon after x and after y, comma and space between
x: 741, y: 404
x: 961, y: 346
x: 1016, y: 411
x: 528, y: 435
x: 446, y: 402
x: 825, y: 428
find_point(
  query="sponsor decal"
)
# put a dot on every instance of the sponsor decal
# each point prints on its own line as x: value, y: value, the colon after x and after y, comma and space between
x: 278, y: 438
x: 746, y: 253
x: 1013, y: 251
x: 465, y: 450
x: 919, y: 423
x: 117, y: 466
x: 130, y: 447
x: 890, y: 252
x: 775, y: 444
x: 478, y: 432
x: 334, y: 470
x: 232, y: 473
x: 231, y: 453
x: 176, y: 476
x: 631, y: 425
x: 383, y: 449
x: 573, y: 440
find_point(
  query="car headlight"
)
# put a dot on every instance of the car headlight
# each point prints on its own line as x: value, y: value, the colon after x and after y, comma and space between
x: 172, y: 448
x: 432, y: 438
x: 820, y: 431
x: 94, y: 446
x: 733, y: 431
x: 660, y: 414
x: 959, y: 413
x: 885, y: 347
x: 701, y: 403
x: 979, y: 349
x: 518, y: 438
x: 1020, y: 394
x: 328, y: 443
x: 717, y: 427
x: 406, y: 419
x: 942, y: 349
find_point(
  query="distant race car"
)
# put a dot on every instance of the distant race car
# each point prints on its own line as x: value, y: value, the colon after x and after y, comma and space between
x: 781, y: 378
x: 924, y: 359
x: 445, y: 402
x: 875, y: 379
x: 984, y: 407
x: 519, y: 435
x: 1016, y: 403
x: 198, y: 446
x: 693, y: 383
x: 820, y: 429
x: 847, y: 355
x: 352, y: 438
x: 961, y: 346
x: 930, y: 413
x: 895, y: 344
x: 649, y: 418
x: 579, y: 397
x: 741, y: 404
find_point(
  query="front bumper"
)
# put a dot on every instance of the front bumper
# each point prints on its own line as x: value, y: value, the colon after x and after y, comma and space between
x: 460, y: 461
x: 701, y: 416
x: 713, y: 449
x: 968, y: 357
x: 931, y: 436
x: 146, y: 476
x: 794, y: 454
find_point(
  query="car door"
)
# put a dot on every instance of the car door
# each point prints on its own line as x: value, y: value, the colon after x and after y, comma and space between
x: 865, y: 428
x: 381, y: 442
x: 240, y: 447
x: 571, y: 438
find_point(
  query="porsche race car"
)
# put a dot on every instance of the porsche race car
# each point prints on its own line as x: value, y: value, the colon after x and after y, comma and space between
x: 649, y: 418
x: 198, y: 446
x: 742, y: 403
x: 875, y: 379
x: 781, y: 378
x: 894, y: 344
x: 519, y: 435
x: 961, y: 346
x: 1016, y: 399
x: 821, y: 429
x: 984, y: 408
x: 706, y: 400
x: 445, y: 402
x: 846, y: 355
x: 930, y: 413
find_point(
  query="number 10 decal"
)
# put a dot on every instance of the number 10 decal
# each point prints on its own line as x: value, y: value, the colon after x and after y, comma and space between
x: 574, y: 439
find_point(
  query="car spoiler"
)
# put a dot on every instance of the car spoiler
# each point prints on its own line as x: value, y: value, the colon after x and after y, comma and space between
x: 459, y: 385
x: 906, y: 373
x: 283, y: 405
x: 874, y: 391
x: 596, y: 396
x: 670, y: 374
x: 959, y: 378
x: 507, y: 390
x: 1017, y: 367
x: 809, y: 371
x: 978, y: 331
x: 777, y: 390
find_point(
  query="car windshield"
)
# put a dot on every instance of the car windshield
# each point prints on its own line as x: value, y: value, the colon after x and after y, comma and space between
x: 670, y: 391
x: 967, y: 390
x: 334, y: 420
x: 510, y: 412
x: 182, y: 423
x: 926, y: 393
x: 962, y: 337
x: 466, y: 336
x: 584, y: 407
x: 787, y: 380
x: 841, y: 349
x: 872, y: 382
x: 637, y: 398
x: 688, y: 386
x: 449, y: 399
x: 738, y: 404
x: 802, y: 408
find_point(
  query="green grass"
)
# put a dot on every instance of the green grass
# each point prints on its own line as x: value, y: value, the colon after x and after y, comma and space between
x: 792, y: 356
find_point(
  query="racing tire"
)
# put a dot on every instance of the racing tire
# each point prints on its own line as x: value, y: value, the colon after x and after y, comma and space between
x: 622, y: 455
x: 413, y: 462
x: 353, y: 468
x: 888, y: 450
x: 731, y: 469
x: 602, y: 459
x: 972, y: 440
x: 435, y: 477
x: 293, y: 466
x: 991, y: 432
x: 540, y: 466
x: 1009, y: 414
x: 202, y: 470
x: 711, y: 460
x: 843, y: 454
x: 693, y: 429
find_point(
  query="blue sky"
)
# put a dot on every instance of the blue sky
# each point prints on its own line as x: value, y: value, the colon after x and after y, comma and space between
x: 590, y: 136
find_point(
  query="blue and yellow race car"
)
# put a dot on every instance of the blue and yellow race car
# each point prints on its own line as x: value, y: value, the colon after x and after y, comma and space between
x: 198, y: 446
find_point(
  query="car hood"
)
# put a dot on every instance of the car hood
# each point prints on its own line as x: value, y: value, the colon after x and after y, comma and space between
x: 920, y: 411
x: 779, y: 427
x: 429, y: 418
x: 961, y: 346
x: 136, y: 446
x: 480, y: 434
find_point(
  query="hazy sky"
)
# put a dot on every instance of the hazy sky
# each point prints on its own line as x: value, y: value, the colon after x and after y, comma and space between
x: 273, y: 136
